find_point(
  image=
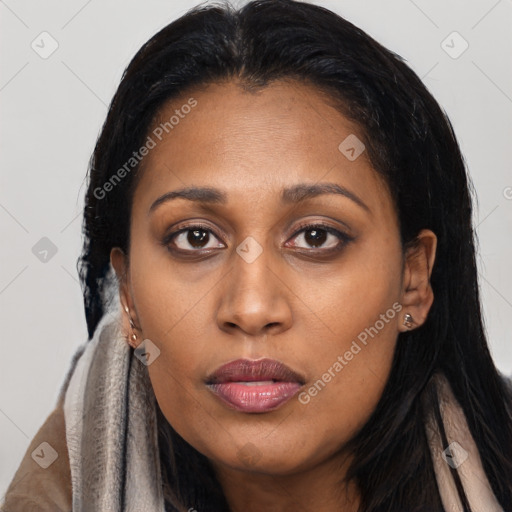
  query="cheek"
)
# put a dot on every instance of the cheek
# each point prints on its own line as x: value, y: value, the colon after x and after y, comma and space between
x: 352, y: 373
x: 167, y: 295
x: 352, y: 297
x: 176, y: 375
x: 172, y: 314
x: 354, y: 339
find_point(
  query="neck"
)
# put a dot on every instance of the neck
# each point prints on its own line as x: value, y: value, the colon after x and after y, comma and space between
x: 322, y: 489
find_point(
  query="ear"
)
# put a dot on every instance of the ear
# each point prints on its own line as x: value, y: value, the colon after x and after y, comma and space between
x: 119, y: 262
x: 417, y: 293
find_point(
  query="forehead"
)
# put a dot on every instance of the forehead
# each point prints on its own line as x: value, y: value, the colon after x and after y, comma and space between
x: 254, y: 143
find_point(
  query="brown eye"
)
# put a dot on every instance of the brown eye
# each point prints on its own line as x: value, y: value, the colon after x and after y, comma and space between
x: 315, y: 237
x: 192, y: 239
x: 197, y: 237
x: 320, y: 236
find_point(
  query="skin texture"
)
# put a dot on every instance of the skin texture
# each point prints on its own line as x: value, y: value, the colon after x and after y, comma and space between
x: 296, y: 302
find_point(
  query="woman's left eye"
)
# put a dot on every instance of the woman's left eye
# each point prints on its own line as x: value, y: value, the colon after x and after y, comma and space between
x: 321, y: 236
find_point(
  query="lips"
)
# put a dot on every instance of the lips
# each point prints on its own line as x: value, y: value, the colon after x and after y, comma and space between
x: 254, y: 385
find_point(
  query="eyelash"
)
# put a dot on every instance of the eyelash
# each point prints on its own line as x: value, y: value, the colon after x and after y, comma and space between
x: 344, y: 239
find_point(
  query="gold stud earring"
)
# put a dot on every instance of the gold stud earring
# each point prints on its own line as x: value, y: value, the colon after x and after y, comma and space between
x: 132, y: 325
x: 408, y: 320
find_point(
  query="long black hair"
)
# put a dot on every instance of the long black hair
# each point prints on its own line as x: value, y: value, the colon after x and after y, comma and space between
x: 411, y: 144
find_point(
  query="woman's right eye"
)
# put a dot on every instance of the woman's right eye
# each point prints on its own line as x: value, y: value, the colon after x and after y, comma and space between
x: 193, y: 239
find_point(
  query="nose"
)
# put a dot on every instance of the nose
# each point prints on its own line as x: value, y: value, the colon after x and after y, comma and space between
x: 255, y: 299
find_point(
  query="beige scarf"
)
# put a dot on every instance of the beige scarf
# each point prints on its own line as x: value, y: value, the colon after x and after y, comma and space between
x: 460, y: 454
x: 111, y: 433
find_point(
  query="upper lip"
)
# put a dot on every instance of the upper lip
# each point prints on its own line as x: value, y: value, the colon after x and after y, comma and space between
x: 250, y: 370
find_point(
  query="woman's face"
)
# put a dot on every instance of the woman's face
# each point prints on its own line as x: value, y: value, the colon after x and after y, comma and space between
x: 252, y: 282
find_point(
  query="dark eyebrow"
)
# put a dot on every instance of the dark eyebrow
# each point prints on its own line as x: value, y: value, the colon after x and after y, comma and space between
x: 200, y: 194
x: 304, y: 191
x: 293, y: 194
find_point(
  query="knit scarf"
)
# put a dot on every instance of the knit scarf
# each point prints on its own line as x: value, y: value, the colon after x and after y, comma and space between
x: 112, y: 436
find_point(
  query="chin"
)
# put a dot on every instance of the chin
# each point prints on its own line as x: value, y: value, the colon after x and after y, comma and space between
x: 264, y: 460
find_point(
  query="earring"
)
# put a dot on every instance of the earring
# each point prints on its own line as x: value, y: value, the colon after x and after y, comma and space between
x: 408, y: 320
x: 132, y: 325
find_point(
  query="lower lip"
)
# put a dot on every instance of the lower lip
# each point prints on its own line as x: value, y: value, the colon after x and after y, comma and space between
x: 255, y: 397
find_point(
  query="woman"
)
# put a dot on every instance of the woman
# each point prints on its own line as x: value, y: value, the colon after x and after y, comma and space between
x: 280, y: 287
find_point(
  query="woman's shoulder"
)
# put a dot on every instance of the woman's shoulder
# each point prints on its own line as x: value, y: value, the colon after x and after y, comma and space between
x: 43, y: 479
